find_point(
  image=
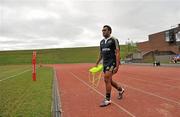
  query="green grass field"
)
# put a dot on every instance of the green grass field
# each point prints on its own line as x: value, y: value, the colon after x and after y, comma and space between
x: 63, y: 55
x: 22, y: 97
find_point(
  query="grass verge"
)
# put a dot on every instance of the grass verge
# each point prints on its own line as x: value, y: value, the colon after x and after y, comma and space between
x: 22, y: 97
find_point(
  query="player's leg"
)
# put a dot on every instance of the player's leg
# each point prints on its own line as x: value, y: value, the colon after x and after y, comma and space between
x: 115, y: 85
x: 119, y: 89
x: 107, y: 80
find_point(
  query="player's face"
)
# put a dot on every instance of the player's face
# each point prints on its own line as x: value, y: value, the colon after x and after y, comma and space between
x: 106, y: 33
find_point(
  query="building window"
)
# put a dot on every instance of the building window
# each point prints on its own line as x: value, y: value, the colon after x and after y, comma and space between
x: 170, y: 36
x: 178, y: 36
x: 167, y: 36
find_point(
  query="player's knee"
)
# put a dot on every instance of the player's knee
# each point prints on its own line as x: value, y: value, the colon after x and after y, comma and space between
x: 107, y: 80
x: 106, y: 76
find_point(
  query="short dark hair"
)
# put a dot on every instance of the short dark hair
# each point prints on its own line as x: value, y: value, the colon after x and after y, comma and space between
x: 109, y: 28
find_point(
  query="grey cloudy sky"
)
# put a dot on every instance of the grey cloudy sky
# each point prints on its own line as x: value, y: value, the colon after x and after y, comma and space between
x: 33, y: 24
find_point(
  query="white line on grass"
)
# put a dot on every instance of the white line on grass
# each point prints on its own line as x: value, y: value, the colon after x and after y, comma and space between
x: 15, y: 75
x: 120, y: 107
x: 14, y: 69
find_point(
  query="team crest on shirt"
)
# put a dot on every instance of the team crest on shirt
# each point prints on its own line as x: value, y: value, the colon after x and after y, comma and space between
x: 102, y: 42
x: 109, y: 41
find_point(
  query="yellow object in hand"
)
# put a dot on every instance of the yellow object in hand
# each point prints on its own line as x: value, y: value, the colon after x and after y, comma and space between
x: 96, y: 69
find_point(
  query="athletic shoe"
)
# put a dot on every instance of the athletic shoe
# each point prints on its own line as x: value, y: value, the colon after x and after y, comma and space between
x: 120, y: 94
x: 105, y: 102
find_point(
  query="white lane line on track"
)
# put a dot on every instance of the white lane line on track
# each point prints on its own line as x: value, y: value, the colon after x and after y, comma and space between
x: 152, y: 94
x: 120, y: 107
x: 138, y: 79
x: 162, y: 76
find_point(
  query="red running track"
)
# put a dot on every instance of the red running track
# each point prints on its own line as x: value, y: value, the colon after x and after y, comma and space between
x: 149, y: 92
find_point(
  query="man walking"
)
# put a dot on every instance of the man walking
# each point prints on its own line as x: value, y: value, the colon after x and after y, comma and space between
x: 110, y: 53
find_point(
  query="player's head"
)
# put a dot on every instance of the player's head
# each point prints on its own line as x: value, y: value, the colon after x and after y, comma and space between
x: 106, y: 31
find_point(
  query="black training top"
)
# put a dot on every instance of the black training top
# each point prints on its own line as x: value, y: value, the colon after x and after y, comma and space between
x: 107, y: 49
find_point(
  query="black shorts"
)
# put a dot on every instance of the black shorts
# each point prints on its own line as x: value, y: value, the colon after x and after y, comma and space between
x: 109, y: 67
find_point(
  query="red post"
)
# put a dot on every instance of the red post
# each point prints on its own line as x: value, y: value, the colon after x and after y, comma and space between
x: 34, y: 66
